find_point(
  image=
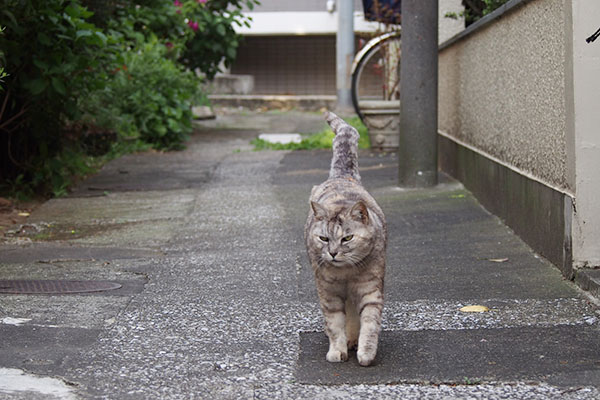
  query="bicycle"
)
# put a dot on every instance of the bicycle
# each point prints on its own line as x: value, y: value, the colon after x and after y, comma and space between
x: 376, y: 72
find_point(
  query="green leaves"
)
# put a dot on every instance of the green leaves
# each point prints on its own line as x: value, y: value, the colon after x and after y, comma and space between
x: 76, y: 11
x: 59, y: 86
x: 36, y: 86
x: 44, y: 39
x: 150, y: 98
x: 83, y: 33
x: 125, y: 69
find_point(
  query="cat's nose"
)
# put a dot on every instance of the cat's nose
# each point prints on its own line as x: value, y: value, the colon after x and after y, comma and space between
x: 333, y: 254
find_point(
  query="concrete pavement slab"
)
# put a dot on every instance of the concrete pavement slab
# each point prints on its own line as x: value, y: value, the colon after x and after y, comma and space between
x: 462, y: 357
x: 43, y: 349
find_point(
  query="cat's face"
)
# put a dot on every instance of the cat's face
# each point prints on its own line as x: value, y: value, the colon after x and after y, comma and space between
x: 341, y: 236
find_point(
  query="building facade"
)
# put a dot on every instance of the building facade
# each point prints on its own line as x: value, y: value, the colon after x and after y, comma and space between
x: 289, y: 48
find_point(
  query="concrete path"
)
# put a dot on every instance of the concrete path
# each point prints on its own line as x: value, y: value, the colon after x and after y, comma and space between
x: 216, y: 298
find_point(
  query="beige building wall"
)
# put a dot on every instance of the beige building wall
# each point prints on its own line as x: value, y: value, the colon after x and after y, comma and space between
x: 586, y: 126
x: 502, y: 91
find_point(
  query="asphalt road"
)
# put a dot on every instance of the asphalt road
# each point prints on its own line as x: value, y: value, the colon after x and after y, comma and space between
x: 216, y: 298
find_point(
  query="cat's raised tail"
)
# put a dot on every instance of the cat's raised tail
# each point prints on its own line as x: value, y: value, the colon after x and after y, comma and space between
x: 344, y: 163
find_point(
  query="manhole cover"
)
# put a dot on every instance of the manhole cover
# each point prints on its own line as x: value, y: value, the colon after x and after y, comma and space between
x: 55, y: 286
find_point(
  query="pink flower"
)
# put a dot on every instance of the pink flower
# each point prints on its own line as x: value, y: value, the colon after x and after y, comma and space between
x: 201, y: 1
x: 169, y: 45
x: 177, y: 3
x: 194, y: 25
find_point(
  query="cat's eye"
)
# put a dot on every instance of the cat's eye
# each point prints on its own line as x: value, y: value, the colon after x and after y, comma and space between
x: 324, y: 238
x: 347, y: 238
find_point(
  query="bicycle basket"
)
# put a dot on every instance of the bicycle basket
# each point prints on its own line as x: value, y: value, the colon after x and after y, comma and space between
x: 385, y: 11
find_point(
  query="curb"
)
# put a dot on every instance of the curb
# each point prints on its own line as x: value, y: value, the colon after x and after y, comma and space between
x: 589, y: 280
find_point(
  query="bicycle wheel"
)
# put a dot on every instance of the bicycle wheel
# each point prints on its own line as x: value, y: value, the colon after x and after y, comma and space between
x: 376, y: 72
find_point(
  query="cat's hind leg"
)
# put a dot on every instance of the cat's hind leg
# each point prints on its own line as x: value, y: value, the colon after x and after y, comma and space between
x: 352, y: 324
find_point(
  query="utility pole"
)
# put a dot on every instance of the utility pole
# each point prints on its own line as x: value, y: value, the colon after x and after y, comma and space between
x: 344, y: 45
x: 418, y: 94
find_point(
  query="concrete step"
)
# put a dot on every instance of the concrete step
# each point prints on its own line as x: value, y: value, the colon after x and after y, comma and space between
x: 256, y: 101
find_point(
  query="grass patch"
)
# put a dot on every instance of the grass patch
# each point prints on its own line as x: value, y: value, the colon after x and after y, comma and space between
x: 319, y: 140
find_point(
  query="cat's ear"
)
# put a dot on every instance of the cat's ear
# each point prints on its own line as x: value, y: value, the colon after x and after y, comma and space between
x: 359, y: 212
x: 319, y: 210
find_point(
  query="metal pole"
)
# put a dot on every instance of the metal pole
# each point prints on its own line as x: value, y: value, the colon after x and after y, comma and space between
x: 418, y: 94
x: 344, y: 53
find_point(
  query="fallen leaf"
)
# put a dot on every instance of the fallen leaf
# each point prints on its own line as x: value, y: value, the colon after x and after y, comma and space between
x: 457, y: 196
x: 23, y: 214
x: 498, y: 260
x: 473, y: 309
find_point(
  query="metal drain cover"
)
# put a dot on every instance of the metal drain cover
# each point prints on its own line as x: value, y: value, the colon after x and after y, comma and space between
x: 55, y: 286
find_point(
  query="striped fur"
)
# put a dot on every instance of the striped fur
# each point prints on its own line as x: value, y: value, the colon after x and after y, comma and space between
x: 344, y: 162
x: 346, y: 237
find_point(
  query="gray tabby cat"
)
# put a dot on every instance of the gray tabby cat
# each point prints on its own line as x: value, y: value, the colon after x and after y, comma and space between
x: 346, y: 237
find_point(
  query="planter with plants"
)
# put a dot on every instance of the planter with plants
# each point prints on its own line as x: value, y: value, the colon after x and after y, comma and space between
x: 376, y: 76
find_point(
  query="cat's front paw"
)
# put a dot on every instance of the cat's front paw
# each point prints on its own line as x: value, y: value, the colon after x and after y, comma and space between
x: 365, y: 358
x: 337, y: 356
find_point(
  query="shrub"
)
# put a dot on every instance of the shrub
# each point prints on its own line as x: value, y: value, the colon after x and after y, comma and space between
x: 50, y: 49
x: 476, y: 9
x: 148, y: 98
x: 199, y: 33
x: 72, y: 73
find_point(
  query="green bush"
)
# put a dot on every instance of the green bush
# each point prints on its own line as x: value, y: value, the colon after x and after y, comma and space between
x: 199, y: 33
x: 73, y: 74
x: 52, y: 53
x: 476, y: 9
x: 214, y: 38
x: 149, y: 98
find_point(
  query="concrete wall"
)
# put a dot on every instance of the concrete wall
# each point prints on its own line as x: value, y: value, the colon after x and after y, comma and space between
x: 519, y: 123
x: 502, y: 91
